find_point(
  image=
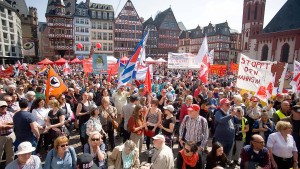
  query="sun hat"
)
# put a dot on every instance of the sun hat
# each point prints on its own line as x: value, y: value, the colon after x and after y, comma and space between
x: 24, y: 148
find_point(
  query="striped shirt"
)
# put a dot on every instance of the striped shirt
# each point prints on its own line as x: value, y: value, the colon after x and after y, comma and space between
x: 196, y: 130
x: 4, y: 119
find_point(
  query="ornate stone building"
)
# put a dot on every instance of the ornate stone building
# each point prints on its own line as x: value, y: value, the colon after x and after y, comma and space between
x: 29, y: 24
x: 10, y: 34
x: 219, y: 38
x: 82, y: 30
x: 279, y: 40
x: 128, y: 30
x: 164, y: 34
x: 59, y: 16
x: 102, y: 27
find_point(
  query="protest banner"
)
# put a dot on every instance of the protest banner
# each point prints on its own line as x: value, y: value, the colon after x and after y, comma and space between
x: 182, y: 61
x: 99, y: 63
x: 254, y: 73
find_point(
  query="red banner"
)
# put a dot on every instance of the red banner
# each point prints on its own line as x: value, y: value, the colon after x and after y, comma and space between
x: 218, y: 69
x: 7, y: 72
x: 87, y: 66
x: 234, y: 68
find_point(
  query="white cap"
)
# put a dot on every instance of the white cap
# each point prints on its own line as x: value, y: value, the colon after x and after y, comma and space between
x: 160, y: 137
x: 24, y: 148
x: 169, y: 107
x: 3, y: 103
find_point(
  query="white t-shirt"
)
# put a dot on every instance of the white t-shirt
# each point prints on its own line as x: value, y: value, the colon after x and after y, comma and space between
x: 35, y: 163
x: 280, y: 147
x: 41, y: 115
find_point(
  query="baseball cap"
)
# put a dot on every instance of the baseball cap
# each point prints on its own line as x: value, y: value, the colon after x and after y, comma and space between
x: 169, y: 107
x: 85, y: 161
x: 159, y: 137
x: 224, y: 101
x: 194, y: 107
x: 279, y: 95
x: 296, y: 108
x: 3, y: 103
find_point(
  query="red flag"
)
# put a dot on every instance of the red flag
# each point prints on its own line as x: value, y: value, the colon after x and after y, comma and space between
x: 147, y: 87
x: 7, y: 72
x: 203, y: 75
x: 262, y: 93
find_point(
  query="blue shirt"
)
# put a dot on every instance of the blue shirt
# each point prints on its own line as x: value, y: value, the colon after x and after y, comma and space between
x: 22, y: 128
x: 224, y: 126
x: 68, y: 162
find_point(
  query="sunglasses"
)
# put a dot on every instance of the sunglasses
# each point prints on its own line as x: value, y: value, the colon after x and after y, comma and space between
x: 95, y: 139
x: 64, y: 145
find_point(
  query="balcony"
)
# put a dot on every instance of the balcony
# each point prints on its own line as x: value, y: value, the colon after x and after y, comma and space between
x: 3, y: 15
x: 6, y: 41
x: 4, y: 28
x: 12, y: 42
x: 10, y: 17
x: 11, y: 29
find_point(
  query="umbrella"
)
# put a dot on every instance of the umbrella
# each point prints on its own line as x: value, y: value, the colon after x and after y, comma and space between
x: 45, y: 62
x: 76, y: 60
x: 60, y: 61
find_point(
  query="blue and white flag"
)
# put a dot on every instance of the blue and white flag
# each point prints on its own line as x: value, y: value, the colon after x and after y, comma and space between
x: 126, y: 75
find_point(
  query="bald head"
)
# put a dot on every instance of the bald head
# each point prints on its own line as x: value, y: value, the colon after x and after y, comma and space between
x: 285, y: 106
x: 257, y: 137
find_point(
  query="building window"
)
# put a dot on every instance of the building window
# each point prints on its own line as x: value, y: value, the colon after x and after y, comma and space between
x: 81, y: 21
x: 249, y: 12
x: 264, y: 53
x: 5, y: 35
x: 255, y: 10
x: 105, y: 46
x: 285, y: 50
x: 110, y: 36
x: 99, y: 36
x: 93, y: 25
x: 77, y: 20
x: 68, y: 32
x: 93, y: 14
x: 104, y: 36
x: 9, y: 12
x: 3, y: 22
x: 83, y: 12
x: 110, y: 26
x: 99, y: 15
x: 99, y: 26
x: 87, y: 21
x: 111, y: 16
x: 104, y: 15
x: 94, y: 36
x: 110, y: 47
x: 104, y: 25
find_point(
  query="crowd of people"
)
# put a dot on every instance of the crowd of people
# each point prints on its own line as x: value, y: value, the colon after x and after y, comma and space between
x: 180, y: 110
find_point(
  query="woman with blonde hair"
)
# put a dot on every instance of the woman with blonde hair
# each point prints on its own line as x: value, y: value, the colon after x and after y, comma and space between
x: 282, y: 147
x: 61, y: 156
x: 136, y: 126
x: 96, y: 148
x: 66, y: 108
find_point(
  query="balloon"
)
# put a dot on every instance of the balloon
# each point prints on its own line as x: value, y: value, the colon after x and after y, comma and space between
x: 79, y: 46
x: 98, y: 45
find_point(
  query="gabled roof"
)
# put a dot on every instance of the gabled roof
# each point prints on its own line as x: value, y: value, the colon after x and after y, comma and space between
x: 69, y: 6
x: 161, y: 16
x: 181, y: 26
x: 221, y: 28
x: 20, y: 6
x: 148, y: 22
x: 193, y: 33
x: 81, y: 5
x: 287, y: 18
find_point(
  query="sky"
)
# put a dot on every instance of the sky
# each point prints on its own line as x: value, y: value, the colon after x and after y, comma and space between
x: 191, y: 12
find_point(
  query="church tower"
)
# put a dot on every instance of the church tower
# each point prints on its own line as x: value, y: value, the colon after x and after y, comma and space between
x: 253, y: 21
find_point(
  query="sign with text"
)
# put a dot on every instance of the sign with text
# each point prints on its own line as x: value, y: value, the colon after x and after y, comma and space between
x: 99, y: 63
x: 182, y: 61
x: 254, y: 73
